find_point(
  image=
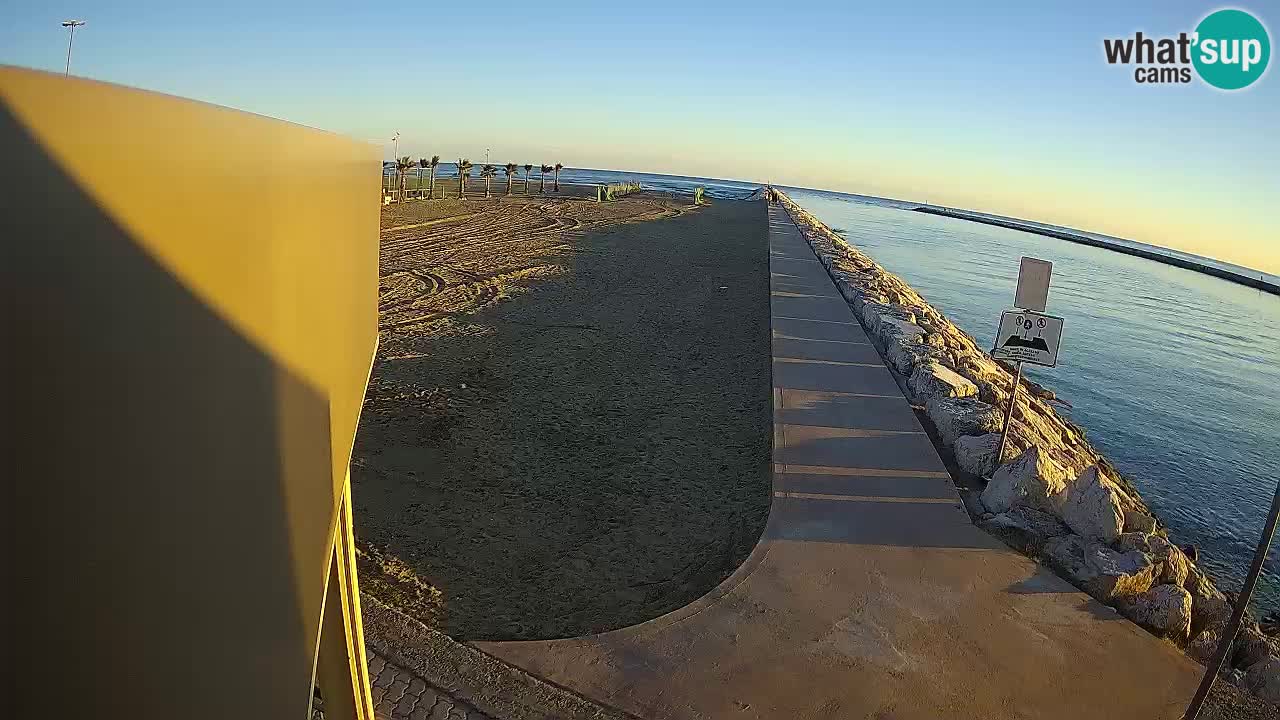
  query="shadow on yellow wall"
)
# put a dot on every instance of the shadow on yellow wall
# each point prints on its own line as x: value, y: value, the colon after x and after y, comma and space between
x: 191, y: 295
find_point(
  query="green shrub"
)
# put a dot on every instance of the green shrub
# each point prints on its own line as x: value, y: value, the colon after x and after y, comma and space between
x: 616, y: 190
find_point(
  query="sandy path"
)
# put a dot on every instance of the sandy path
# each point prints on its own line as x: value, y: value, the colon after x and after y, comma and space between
x: 567, y: 427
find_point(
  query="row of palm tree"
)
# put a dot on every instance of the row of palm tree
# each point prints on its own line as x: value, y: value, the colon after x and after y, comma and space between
x: 404, y: 165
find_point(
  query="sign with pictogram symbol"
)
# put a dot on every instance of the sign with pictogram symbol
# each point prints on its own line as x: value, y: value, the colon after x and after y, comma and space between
x: 1028, y: 337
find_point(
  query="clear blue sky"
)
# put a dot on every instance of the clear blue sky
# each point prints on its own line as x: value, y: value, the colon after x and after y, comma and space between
x: 1009, y: 108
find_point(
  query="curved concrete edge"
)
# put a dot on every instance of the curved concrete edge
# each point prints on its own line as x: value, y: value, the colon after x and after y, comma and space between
x: 713, y: 596
x: 753, y: 561
x: 492, y: 686
x: 871, y: 593
x: 758, y: 554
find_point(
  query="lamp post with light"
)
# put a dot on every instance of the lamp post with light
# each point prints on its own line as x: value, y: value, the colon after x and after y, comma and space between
x: 72, y: 25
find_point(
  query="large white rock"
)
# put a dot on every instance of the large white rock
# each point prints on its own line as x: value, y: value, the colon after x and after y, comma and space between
x: 1164, y: 609
x: 977, y: 453
x: 862, y: 297
x: 1137, y: 521
x: 1263, y: 680
x: 1202, y: 588
x: 1037, y: 425
x: 931, y: 380
x: 979, y: 368
x: 893, y: 330
x: 1208, y: 612
x: 873, y: 313
x: 957, y: 417
x: 1174, y: 566
x: 936, y: 340
x: 1105, y: 574
x: 1092, y: 509
x: 1025, y: 528
x: 904, y: 357
x: 1205, y: 643
x: 1032, y: 479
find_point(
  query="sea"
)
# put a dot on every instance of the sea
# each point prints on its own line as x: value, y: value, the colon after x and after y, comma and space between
x: 1174, y: 374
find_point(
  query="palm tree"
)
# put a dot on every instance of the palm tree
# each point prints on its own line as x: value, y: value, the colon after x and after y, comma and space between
x: 527, y: 169
x: 512, y: 170
x: 542, y: 178
x: 487, y: 172
x: 559, y: 167
x: 464, y: 169
x: 435, y: 160
x: 423, y: 164
x: 402, y: 172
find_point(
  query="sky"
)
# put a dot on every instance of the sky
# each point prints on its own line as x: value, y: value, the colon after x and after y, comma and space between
x: 1009, y: 108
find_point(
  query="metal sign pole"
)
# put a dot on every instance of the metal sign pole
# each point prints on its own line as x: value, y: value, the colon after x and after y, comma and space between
x: 1237, y: 615
x: 1008, y: 414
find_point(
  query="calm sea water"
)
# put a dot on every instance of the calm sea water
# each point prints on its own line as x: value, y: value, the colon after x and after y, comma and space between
x: 1174, y: 374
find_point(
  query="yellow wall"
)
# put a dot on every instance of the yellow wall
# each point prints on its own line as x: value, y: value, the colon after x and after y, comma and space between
x: 191, y: 294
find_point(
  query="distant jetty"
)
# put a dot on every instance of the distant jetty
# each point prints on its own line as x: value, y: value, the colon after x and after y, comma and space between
x: 1225, y: 274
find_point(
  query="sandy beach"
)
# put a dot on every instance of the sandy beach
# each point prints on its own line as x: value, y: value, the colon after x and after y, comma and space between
x: 567, y: 425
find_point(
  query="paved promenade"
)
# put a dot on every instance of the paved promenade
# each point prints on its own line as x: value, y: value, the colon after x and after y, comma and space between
x: 401, y: 694
x: 871, y: 594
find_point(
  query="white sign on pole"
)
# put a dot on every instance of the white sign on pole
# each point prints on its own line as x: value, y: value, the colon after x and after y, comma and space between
x: 1033, y: 284
x: 1028, y: 337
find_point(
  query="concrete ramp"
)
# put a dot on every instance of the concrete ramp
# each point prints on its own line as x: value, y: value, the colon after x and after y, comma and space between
x: 870, y: 595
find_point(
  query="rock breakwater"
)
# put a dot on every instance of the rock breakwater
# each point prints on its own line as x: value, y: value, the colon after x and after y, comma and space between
x: 1051, y: 495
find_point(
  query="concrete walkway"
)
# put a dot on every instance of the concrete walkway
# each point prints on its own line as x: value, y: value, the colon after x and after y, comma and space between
x: 870, y: 594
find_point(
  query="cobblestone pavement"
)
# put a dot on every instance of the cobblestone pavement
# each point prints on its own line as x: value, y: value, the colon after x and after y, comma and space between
x: 398, y: 694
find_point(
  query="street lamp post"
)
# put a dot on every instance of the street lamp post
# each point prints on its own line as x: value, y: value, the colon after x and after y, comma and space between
x: 72, y: 25
x: 395, y: 158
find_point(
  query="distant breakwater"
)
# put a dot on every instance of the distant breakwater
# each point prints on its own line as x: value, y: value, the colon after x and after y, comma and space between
x: 1235, y: 277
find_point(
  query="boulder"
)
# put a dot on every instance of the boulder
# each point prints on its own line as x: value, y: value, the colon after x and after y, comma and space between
x: 843, y: 284
x: 1208, y: 612
x: 1137, y: 521
x: 1092, y: 509
x: 1263, y: 680
x: 981, y: 369
x: 1200, y: 586
x: 864, y: 296
x: 1252, y: 647
x: 989, y: 392
x: 957, y: 417
x: 977, y: 453
x: 1040, y: 424
x: 1164, y: 609
x: 1205, y: 643
x: 936, y: 340
x: 1032, y: 479
x: 1025, y: 529
x: 893, y: 330
x: 1174, y: 566
x: 875, y: 313
x: 906, y: 356
x: 1105, y: 574
x: 931, y: 379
